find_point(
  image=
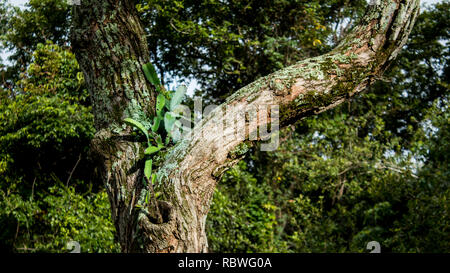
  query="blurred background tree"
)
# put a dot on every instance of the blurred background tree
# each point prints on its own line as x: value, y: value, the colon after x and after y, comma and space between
x: 375, y: 168
x: 48, y: 194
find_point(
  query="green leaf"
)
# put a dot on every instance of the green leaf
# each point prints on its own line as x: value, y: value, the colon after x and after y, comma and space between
x: 167, y: 105
x: 169, y: 121
x: 148, y: 168
x: 152, y: 149
x: 167, y: 139
x: 178, y: 97
x: 150, y: 74
x: 153, y: 178
x: 156, y: 122
x: 160, y: 102
x: 144, y: 182
x: 159, y: 141
x: 176, y: 134
x: 137, y: 124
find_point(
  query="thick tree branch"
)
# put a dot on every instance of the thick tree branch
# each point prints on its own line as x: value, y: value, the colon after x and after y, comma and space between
x: 306, y: 88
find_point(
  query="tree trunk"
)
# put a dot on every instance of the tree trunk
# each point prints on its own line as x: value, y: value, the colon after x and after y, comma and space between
x: 110, y: 46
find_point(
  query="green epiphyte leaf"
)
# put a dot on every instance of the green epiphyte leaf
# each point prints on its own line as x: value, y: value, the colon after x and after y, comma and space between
x: 160, y: 102
x: 150, y: 74
x: 167, y: 139
x: 156, y: 123
x: 144, y: 182
x: 170, y: 95
x: 138, y: 125
x: 148, y: 168
x: 159, y: 141
x: 152, y: 149
x: 153, y: 178
x: 178, y: 97
x: 176, y: 131
x: 169, y: 121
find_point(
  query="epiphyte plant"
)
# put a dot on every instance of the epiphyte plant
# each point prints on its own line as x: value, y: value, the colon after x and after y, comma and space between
x: 165, y: 124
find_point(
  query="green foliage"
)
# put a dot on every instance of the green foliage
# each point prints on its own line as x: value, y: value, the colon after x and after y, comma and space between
x: 150, y: 74
x: 152, y: 149
x: 243, y: 217
x: 160, y: 103
x: 166, y: 99
x: 374, y: 169
x: 80, y: 218
x: 171, y: 102
x: 225, y: 45
x: 139, y: 126
x: 24, y: 29
x: 54, y: 72
x: 45, y: 129
x: 169, y: 121
x: 148, y: 168
x: 333, y: 191
x: 45, y: 117
x: 46, y: 222
x: 177, y: 97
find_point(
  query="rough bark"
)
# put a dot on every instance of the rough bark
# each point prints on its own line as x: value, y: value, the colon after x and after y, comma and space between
x: 111, y: 48
x: 189, y: 172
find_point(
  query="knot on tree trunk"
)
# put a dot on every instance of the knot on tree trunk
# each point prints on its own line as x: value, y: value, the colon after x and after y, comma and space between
x: 156, y: 238
x: 167, y: 213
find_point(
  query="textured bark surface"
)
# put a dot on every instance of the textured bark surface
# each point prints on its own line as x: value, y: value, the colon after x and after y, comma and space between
x: 189, y: 171
x: 111, y: 48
